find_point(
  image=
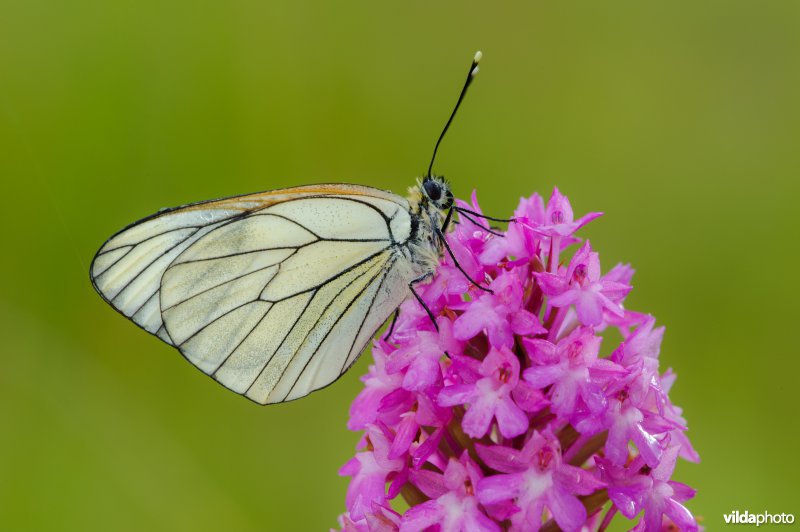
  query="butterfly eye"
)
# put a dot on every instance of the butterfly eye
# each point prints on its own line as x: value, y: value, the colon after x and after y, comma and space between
x: 432, y: 189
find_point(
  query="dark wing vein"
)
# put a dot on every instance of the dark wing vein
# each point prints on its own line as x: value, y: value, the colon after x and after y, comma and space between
x: 311, y: 329
x: 150, y: 238
x: 204, y: 327
x: 232, y: 279
x: 146, y: 301
x: 130, y: 248
x: 241, y: 253
x: 355, y: 338
x: 333, y: 326
x: 326, y: 281
x: 384, y: 270
x: 239, y: 344
x: 266, y: 363
x: 166, y: 251
x: 382, y: 214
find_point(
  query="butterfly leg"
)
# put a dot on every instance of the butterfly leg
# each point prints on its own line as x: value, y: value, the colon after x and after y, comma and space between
x: 474, y: 222
x: 447, y: 219
x: 462, y: 210
x: 455, y: 261
x: 394, y: 321
x: 411, y: 284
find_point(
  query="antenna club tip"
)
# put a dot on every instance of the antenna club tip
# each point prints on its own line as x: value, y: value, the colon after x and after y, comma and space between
x: 478, y: 57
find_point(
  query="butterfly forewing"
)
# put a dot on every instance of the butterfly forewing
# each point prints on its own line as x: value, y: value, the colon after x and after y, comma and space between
x: 273, y: 294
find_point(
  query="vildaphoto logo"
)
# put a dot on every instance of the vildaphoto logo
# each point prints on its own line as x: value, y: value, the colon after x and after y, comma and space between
x: 764, y: 518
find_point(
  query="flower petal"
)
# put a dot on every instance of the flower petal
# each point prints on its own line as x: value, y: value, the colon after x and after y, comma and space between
x: 577, y: 480
x: 422, y: 374
x: 468, y: 325
x: 680, y: 516
x: 457, y: 394
x: 420, y: 517
x: 528, y: 397
x: 511, y: 420
x: 499, y: 488
x: 500, y: 458
x: 429, y: 482
x: 567, y: 510
x: 474, y: 519
x: 541, y: 376
x: 478, y: 418
x: 406, y: 432
x: 525, y: 323
x: 589, y: 308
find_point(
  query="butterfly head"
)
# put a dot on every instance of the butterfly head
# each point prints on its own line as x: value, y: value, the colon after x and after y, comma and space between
x: 437, y: 193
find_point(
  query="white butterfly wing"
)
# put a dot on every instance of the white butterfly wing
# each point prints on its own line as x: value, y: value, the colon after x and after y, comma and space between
x: 128, y: 268
x: 276, y: 294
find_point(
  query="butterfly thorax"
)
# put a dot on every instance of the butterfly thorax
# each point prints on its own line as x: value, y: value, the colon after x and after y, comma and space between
x: 429, y: 202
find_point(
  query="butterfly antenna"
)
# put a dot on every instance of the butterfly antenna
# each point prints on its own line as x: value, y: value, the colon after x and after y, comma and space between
x: 473, y: 69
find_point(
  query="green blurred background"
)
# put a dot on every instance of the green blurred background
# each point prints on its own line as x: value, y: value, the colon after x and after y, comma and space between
x: 679, y: 120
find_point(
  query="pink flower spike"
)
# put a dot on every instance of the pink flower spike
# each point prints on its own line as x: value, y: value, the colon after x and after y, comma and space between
x: 513, y: 375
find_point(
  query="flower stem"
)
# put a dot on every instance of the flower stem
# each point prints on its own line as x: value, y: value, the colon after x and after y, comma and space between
x: 555, y: 320
x: 567, y: 436
x: 542, y: 418
x: 449, y: 446
x: 412, y: 495
x: 454, y: 429
x: 612, y: 511
x: 592, y: 446
x: 555, y: 249
x: 536, y: 298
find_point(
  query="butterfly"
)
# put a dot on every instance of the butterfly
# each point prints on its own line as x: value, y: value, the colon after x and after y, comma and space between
x: 275, y: 294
